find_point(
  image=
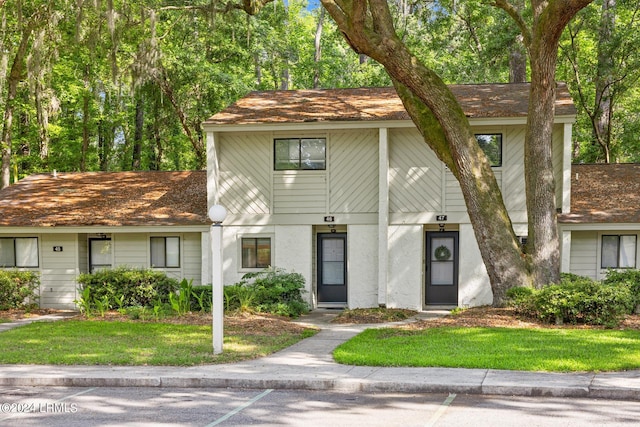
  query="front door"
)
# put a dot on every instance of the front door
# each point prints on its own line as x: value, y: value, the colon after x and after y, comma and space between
x: 332, y: 269
x: 442, y: 268
x: 99, y: 254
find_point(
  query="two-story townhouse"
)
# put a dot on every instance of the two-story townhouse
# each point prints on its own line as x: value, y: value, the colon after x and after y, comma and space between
x: 339, y: 186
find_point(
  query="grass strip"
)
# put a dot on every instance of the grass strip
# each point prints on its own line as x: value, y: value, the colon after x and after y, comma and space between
x: 552, y: 350
x: 77, y: 342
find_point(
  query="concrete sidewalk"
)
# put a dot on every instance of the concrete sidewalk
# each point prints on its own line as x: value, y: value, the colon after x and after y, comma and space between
x: 309, y: 365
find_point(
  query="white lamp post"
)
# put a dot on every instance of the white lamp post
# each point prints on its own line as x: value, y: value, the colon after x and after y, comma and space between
x: 217, y: 214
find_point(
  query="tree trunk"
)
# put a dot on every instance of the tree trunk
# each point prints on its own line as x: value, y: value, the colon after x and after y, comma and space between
x: 602, y: 110
x: 543, y: 245
x: 137, y: 134
x: 15, y: 76
x: 318, y: 50
x: 369, y: 29
x: 445, y: 128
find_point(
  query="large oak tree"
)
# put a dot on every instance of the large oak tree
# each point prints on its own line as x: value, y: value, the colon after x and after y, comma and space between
x: 368, y: 26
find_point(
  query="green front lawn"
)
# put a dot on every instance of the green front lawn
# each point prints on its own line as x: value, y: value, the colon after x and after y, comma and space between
x: 560, y: 350
x: 134, y: 343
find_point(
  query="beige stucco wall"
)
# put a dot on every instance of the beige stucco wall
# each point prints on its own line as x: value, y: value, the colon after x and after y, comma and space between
x: 362, y: 258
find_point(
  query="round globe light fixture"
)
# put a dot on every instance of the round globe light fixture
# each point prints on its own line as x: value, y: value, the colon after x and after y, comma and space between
x: 217, y: 214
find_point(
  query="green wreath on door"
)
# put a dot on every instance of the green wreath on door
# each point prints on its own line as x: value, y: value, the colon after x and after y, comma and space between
x: 442, y: 253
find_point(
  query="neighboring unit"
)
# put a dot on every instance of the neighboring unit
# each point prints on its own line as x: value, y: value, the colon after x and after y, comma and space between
x: 65, y: 224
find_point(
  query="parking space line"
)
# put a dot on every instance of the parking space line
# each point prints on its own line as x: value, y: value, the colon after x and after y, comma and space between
x: 443, y: 407
x: 239, y: 408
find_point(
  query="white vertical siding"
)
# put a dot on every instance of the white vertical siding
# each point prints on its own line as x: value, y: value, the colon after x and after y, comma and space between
x: 557, y: 157
x: 58, y: 271
x: 353, y: 172
x: 584, y: 253
x: 191, y: 257
x: 415, y: 174
x: 245, y: 172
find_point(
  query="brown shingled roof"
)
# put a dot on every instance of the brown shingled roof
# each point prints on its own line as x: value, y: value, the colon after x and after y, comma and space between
x: 367, y: 104
x: 107, y: 199
x: 604, y: 193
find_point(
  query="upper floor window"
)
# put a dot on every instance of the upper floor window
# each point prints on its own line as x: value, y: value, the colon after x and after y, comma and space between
x: 618, y: 251
x: 165, y: 252
x: 491, y: 144
x: 256, y: 252
x: 19, y: 252
x: 300, y: 154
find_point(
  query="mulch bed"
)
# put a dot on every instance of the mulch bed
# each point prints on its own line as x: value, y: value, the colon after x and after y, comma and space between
x: 254, y: 324
x: 490, y: 317
x: 271, y: 325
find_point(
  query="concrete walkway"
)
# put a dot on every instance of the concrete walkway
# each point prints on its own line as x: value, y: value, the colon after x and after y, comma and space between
x: 309, y: 365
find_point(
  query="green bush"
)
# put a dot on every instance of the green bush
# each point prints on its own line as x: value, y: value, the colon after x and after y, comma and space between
x: 574, y: 300
x: 278, y: 291
x: 272, y: 290
x: 628, y: 278
x: 18, y: 288
x: 127, y: 287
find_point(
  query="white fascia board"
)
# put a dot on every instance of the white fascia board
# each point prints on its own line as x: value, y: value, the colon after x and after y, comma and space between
x: 599, y: 226
x: 363, y: 124
x: 306, y: 126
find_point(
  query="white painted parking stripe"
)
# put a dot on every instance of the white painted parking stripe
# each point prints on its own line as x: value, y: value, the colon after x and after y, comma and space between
x: 443, y: 407
x: 240, y: 408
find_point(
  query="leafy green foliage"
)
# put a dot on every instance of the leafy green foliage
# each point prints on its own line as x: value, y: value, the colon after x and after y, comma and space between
x: 124, y: 287
x: 272, y: 290
x: 577, y: 299
x: 18, y: 288
x: 181, y: 300
x: 278, y: 291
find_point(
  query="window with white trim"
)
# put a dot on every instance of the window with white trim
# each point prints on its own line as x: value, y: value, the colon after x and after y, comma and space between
x: 618, y: 251
x: 491, y: 144
x: 19, y: 252
x: 256, y: 252
x: 165, y: 252
x: 299, y: 153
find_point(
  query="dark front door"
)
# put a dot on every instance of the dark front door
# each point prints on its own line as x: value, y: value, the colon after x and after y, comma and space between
x: 442, y: 268
x: 332, y: 269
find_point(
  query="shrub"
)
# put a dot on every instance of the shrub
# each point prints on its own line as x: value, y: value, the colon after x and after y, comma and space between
x: 628, y: 278
x: 575, y: 299
x: 272, y: 290
x: 127, y: 287
x: 278, y: 291
x: 18, y: 288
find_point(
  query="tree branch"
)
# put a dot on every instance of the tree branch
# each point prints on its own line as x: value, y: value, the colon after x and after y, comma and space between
x: 517, y: 17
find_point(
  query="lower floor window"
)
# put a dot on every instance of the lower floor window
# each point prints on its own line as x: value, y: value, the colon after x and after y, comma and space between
x: 165, y: 252
x: 618, y: 251
x: 256, y: 252
x: 18, y: 252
